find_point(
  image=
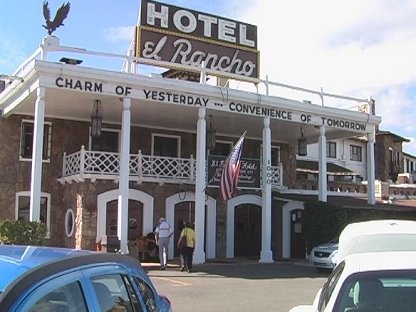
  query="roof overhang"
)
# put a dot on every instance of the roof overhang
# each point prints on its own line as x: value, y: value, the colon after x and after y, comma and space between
x: 164, y: 103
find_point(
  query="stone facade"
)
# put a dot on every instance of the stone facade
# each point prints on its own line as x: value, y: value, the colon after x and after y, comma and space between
x: 388, y: 156
x: 68, y: 137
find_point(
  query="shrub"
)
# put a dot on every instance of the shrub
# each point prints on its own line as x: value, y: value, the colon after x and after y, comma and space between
x: 21, y: 232
x: 325, y: 221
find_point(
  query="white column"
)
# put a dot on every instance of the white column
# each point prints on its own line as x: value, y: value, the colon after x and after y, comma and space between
x: 199, y: 254
x: 322, y: 179
x: 123, y: 187
x: 266, y: 255
x: 36, y: 174
x: 371, y: 190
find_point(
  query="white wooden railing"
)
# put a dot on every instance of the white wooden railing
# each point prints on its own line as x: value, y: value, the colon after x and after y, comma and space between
x: 97, y: 165
x: 51, y: 45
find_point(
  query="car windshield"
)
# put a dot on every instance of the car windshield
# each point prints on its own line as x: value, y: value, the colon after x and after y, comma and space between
x: 380, y: 242
x: 379, y: 291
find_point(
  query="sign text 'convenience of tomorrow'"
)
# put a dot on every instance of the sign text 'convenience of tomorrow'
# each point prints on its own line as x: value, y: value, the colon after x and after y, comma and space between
x: 201, y: 101
x: 174, y: 37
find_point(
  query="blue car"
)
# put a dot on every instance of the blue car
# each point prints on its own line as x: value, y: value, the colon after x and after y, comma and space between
x: 58, y: 279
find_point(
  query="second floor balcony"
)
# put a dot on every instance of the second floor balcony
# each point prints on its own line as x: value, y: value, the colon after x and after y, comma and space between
x: 99, y: 165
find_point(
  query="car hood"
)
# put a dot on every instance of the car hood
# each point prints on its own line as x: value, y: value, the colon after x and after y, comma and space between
x: 327, y: 247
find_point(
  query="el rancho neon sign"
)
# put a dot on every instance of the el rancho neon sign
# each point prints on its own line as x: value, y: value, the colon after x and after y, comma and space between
x: 173, y: 37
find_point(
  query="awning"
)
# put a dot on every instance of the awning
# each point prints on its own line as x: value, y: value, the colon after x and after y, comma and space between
x: 310, y: 166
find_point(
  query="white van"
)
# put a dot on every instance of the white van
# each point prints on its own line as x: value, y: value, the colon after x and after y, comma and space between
x: 377, y: 235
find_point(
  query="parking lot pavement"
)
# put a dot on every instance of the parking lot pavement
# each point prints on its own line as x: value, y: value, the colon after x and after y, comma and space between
x: 238, y: 286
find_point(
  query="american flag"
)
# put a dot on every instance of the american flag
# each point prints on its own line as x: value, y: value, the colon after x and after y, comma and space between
x: 231, y: 171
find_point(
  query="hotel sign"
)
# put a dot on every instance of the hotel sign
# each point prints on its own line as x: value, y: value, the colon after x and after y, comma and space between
x: 191, y: 100
x: 173, y: 37
x: 249, y: 173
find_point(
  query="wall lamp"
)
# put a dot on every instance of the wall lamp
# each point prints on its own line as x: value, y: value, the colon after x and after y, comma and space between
x: 302, y: 144
x: 96, y: 119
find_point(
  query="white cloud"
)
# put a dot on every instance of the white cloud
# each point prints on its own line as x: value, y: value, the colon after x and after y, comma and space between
x: 119, y: 34
x: 411, y: 146
x: 356, y: 48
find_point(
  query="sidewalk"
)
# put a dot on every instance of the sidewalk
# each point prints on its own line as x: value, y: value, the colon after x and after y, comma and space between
x: 175, y: 263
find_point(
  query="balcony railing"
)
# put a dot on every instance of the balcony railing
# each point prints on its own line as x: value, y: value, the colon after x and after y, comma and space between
x: 96, y: 165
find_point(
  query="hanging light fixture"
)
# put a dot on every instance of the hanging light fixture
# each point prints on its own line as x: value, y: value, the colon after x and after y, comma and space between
x: 96, y: 119
x: 302, y: 144
x: 210, y: 135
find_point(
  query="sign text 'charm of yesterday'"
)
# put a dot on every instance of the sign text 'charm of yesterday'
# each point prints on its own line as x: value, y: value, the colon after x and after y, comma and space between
x: 174, y: 37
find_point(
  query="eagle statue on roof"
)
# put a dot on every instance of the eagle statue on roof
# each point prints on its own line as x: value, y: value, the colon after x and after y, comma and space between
x: 61, y: 14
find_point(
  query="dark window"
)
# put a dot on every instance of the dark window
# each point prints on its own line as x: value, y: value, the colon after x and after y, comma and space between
x: 65, y: 298
x: 26, y: 148
x: 165, y: 146
x: 391, y: 290
x: 356, y: 153
x: 391, y: 154
x: 133, y: 295
x: 329, y: 286
x: 147, y: 295
x: 221, y: 149
x: 331, y: 150
x: 275, y: 156
x: 23, y: 205
x: 106, y: 142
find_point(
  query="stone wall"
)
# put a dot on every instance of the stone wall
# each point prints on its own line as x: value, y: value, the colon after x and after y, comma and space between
x: 14, y: 174
x: 386, y: 168
x: 68, y: 137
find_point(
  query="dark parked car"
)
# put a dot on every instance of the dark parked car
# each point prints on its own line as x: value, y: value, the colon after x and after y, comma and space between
x: 59, y: 279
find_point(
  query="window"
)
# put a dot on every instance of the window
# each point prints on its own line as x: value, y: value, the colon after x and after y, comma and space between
x: 112, y: 293
x: 108, y: 141
x: 165, y: 145
x: 26, y: 140
x: 69, y: 222
x: 275, y: 155
x: 342, y: 178
x: 222, y: 148
x: 329, y: 286
x: 377, y: 291
x: 331, y: 150
x: 65, y: 298
x: 23, y: 208
x: 356, y: 153
x: 147, y: 295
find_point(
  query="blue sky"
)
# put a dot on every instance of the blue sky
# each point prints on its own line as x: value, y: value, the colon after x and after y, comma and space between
x: 357, y: 48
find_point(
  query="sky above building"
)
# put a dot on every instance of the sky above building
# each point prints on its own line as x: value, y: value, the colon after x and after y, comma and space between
x: 362, y: 49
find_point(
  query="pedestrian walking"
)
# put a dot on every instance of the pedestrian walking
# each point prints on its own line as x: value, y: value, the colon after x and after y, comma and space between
x: 163, y: 233
x: 186, y: 245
